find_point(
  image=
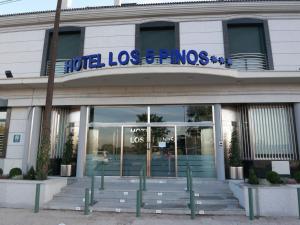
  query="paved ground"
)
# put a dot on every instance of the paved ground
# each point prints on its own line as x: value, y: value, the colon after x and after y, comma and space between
x: 27, y: 217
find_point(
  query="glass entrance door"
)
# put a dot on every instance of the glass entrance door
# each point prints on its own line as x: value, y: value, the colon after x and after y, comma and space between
x: 134, y: 150
x: 153, y: 147
x: 163, y: 153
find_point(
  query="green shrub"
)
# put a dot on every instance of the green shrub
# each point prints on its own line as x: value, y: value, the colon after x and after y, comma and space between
x: 273, y: 177
x: 31, y: 174
x: 297, y: 176
x: 234, y: 151
x: 15, y: 172
x: 252, y: 177
x: 1, y: 172
x: 68, y: 151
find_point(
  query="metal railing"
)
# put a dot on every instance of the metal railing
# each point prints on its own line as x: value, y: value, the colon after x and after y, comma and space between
x: 139, y: 192
x: 249, y: 61
x: 190, y: 189
x: 59, y: 67
x: 166, y: 61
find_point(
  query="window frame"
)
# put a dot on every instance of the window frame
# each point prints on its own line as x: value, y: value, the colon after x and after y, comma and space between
x: 62, y: 30
x: 158, y: 25
x: 249, y: 21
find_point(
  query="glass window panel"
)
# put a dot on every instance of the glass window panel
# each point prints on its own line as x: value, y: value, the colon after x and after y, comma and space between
x: 195, y: 146
x: 183, y: 113
x: 104, y: 146
x: 68, y: 45
x: 156, y: 39
x: 246, y: 39
x: 118, y: 114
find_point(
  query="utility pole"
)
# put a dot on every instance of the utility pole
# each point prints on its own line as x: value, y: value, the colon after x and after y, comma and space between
x: 44, y: 149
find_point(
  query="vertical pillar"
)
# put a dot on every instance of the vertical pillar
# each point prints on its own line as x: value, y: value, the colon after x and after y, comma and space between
x: 220, y: 162
x: 82, y: 140
x: 297, y: 123
x: 32, y: 138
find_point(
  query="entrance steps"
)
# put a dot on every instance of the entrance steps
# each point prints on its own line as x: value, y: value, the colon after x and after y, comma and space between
x: 163, y: 196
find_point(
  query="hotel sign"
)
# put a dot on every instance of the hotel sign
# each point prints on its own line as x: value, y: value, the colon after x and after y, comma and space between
x: 164, y: 56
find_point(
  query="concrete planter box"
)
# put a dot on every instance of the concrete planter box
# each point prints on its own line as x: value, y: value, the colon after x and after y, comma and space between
x: 21, y: 193
x: 272, y: 200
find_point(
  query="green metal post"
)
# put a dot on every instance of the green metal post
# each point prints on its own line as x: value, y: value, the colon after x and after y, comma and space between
x: 87, y: 202
x: 144, y: 178
x: 250, y: 194
x: 190, y: 188
x: 37, y: 198
x: 192, y: 204
x: 298, y: 193
x: 191, y: 180
x: 138, y: 203
x: 188, y: 178
x: 102, y: 176
x: 141, y: 188
x: 92, y: 190
x: 141, y: 181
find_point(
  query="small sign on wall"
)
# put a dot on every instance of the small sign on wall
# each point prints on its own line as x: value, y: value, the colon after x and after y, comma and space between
x: 16, y: 139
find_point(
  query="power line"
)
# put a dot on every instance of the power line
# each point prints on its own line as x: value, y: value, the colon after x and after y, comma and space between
x: 8, y: 2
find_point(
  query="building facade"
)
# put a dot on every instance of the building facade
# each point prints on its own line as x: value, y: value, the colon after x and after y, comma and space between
x: 155, y: 85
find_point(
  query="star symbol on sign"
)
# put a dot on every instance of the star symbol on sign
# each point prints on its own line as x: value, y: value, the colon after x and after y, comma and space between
x: 229, y: 62
x: 221, y: 60
x: 213, y: 59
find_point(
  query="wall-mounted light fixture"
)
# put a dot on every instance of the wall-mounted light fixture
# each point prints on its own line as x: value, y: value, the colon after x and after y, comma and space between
x: 8, y: 74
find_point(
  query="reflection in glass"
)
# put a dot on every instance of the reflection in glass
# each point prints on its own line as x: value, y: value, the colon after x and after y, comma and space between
x: 163, y: 151
x: 118, y: 114
x: 134, y: 150
x: 181, y: 113
x: 64, y: 125
x: 3, y: 114
x: 104, y: 145
x: 195, y: 146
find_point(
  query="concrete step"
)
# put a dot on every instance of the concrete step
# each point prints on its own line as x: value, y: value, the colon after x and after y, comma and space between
x: 166, y: 196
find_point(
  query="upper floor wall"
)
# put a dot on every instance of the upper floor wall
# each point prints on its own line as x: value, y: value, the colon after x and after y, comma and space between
x: 25, y: 52
x: 21, y: 52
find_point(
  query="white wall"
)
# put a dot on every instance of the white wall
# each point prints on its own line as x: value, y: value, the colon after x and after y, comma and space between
x: 105, y: 39
x: 207, y: 35
x: 15, y: 151
x: 285, y: 42
x: 21, y: 52
x: 21, y: 193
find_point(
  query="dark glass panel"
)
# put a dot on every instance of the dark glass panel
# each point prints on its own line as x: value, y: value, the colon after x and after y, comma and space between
x: 183, y: 113
x: 118, y: 114
x: 246, y: 39
x: 157, y: 38
x: 68, y: 45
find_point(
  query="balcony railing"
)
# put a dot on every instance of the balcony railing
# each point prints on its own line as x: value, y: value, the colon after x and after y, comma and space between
x: 249, y: 61
x: 59, y: 67
x: 156, y: 61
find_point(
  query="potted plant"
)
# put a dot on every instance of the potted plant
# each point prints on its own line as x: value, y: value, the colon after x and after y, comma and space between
x: 66, y: 166
x: 235, y: 163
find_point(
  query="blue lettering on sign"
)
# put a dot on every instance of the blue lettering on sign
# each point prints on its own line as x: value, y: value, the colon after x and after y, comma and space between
x: 174, y: 56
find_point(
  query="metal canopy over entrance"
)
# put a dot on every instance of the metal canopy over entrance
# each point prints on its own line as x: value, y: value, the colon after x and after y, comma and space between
x: 164, y: 147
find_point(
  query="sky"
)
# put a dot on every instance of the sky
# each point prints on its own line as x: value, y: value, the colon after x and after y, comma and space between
x: 39, y: 5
